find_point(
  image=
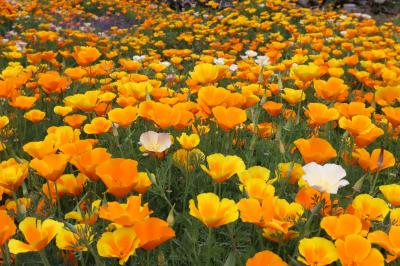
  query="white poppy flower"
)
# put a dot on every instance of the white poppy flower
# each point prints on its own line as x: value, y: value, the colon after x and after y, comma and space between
x: 325, y: 178
x: 233, y: 67
x: 165, y: 63
x: 219, y: 61
x: 366, y: 16
x: 262, y: 60
x: 138, y: 58
x: 155, y: 142
x: 251, y: 53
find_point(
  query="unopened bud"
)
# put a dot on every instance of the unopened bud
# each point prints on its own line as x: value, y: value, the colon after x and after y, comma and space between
x: 171, y: 216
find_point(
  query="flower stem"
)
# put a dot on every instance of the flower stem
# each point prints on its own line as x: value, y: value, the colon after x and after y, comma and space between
x: 58, y: 200
x: 373, y: 185
x: 6, y: 254
x: 209, y: 246
x: 43, y: 256
x: 94, y: 254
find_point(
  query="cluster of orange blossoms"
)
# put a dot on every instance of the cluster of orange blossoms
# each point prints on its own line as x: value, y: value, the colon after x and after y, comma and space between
x: 279, y: 123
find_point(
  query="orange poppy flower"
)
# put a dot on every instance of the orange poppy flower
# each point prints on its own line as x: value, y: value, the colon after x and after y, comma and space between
x: 86, y: 102
x: 393, y: 115
x: 126, y: 214
x: 75, y: 120
x: 119, y: 175
x: 38, y: 235
x: 205, y: 73
x: 23, y: 102
x: 263, y: 130
x: 85, y: 55
x: 8, y: 88
x: 77, y: 147
x: 273, y: 108
x: 121, y: 243
x: 351, y: 109
x: 123, y: 116
x: 258, y: 189
x: 51, y: 166
x: 229, y: 118
x: 62, y: 110
x: 338, y: 227
x: 186, y: 118
x: 8, y: 227
x: 85, y: 215
x: 212, y: 211
x: 293, y: 96
x: 211, y: 96
x: 71, y: 238
x: 188, y: 142
x: 395, y: 216
x: 4, y: 121
x: 369, y: 209
x: 39, y: 149
x: 143, y: 182
x: 265, y: 258
x: 62, y: 135
x: 153, y: 232
x: 271, y: 212
x: 358, y: 125
x: 309, y: 198
x: 12, y: 174
x: 221, y: 168
x: 379, y: 159
x: 161, y: 114
x: 257, y: 172
x: 52, y: 82
x: 305, y: 73
x: 319, y: 114
x: 67, y: 184
x: 35, y: 116
x: 315, y: 150
x: 89, y: 160
x: 387, y: 95
x: 125, y: 101
x: 75, y: 72
x: 334, y: 89
x: 290, y: 171
x: 388, y: 241
x: 356, y: 250
x: 98, y: 125
x: 129, y: 65
x: 317, y: 251
x: 391, y: 193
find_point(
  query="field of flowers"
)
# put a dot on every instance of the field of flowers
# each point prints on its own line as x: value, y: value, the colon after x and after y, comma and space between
x: 260, y: 134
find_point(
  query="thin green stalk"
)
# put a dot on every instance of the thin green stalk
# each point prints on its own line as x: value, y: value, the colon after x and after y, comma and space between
x: 374, y: 180
x: 18, y: 208
x: 82, y: 259
x: 43, y: 256
x: 209, y: 246
x: 187, y: 181
x: 315, y: 212
x: 58, y: 200
x: 94, y: 254
x: 6, y: 253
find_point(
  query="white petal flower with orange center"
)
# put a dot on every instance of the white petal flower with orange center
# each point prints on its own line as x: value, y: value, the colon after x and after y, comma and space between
x: 325, y: 178
x: 155, y: 142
